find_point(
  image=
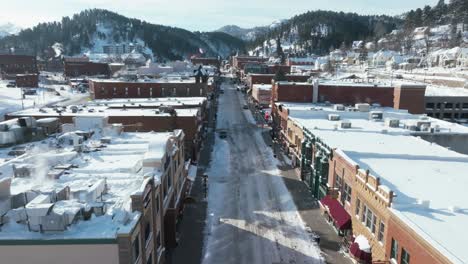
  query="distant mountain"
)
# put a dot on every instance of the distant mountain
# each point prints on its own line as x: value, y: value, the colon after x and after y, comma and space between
x: 89, y: 30
x: 8, y: 29
x: 246, y: 34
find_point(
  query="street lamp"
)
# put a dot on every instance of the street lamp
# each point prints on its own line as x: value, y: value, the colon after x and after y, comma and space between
x: 425, y: 73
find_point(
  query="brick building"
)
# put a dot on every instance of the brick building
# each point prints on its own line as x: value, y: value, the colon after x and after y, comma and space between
x: 79, y: 67
x: 27, y: 80
x: 156, y: 118
x: 453, y: 108
x: 212, y: 61
x: 10, y: 65
x: 124, y: 212
x: 106, y: 89
x: 261, y: 94
x: 252, y: 79
x: 379, y: 183
x: 238, y: 62
x: 400, y: 96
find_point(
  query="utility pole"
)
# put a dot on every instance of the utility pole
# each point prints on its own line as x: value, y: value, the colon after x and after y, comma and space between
x: 22, y: 97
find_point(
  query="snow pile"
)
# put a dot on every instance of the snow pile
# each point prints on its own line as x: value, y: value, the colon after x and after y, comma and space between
x: 363, y: 243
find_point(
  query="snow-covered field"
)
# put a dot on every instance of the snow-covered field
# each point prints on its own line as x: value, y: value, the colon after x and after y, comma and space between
x: 251, y: 215
x: 10, y: 98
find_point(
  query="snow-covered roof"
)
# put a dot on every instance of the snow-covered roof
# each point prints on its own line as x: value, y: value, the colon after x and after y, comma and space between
x: 103, y: 111
x: 107, y: 177
x: 429, y: 180
x: 266, y: 87
x: 150, y: 102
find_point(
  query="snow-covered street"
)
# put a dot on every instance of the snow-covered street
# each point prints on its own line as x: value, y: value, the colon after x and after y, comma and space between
x: 251, y: 215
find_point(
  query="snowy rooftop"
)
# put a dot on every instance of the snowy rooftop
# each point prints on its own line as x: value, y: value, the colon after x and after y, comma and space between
x: 102, y: 111
x: 96, y: 179
x: 154, y: 102
x: 266, y: 87
x: 167, y: 79
x: 429, y: 180
x: 432, y: 90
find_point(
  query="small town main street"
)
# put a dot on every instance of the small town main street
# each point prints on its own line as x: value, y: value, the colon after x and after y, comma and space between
x: 251, y: 215
x: 256, y: 209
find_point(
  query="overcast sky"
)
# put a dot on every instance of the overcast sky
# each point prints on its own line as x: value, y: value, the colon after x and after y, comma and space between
x: 203, y: 15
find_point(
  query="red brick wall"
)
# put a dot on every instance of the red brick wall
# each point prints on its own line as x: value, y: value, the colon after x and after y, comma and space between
x: 76, y: 69
x: 419, y: 250
x: 356, y: 94
x: 206, y: 61
x: 27, y: 80
x: 105, y: 90
x: 17, y: 64
x: 291, y: 92
x: 411, y: 99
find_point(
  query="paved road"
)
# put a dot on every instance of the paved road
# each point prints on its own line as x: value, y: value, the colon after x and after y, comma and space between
x: 251, y: 215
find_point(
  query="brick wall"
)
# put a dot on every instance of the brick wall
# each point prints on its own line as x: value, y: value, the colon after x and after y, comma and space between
x: 410, y: 98
x: 268, y: 78
x: 352, y: 94
x: 206, y: 61
x: 27, y: 80
x: 291, y: 92
x: 107, y: 90
x: 420, y: 251
x: 76, y: 69
x: 17, y: 64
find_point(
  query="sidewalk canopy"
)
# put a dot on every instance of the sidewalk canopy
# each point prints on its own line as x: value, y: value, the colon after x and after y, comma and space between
x: 360, y: 250
x: 341, y: 218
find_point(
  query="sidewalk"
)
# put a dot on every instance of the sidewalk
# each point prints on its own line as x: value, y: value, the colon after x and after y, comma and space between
x: 307, y: 206
x: 309, y: 210
x: 190, y: 229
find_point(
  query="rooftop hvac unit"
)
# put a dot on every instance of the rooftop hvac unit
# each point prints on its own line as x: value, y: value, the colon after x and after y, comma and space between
x: 392, y: 122
x: 424, y: 126
x: 333, y: 117
x: 423, y: 117
x: 339, y: 107
x: 376, y: 115
x: 362, y: 107
x: 411, y: 127
x: 345, y: 124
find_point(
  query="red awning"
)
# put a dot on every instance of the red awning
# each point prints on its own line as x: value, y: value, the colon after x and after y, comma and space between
x: 341, y: 218
x: 360, y: 255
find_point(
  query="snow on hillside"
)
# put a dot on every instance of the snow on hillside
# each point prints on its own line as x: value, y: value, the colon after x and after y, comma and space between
x: 8, y: 29
x: 104, y: 36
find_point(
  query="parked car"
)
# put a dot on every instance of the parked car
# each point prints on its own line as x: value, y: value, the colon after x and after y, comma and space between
x: 245, y: 107
x: 223, y: 134
x: 29, y: 92
x: 62, y: 88
x: 399, y: 76
x: 11, y: 85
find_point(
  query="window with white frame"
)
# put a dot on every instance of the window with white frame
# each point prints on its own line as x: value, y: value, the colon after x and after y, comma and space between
x: 338, y: 182
x: 370, y: 220
x: 347, y: 193
x: 364, y: 211
x: 405, y: 256
x: 394, y: 250
x: 380, y: 237
x: 358, y: 206
x: 136, y: 249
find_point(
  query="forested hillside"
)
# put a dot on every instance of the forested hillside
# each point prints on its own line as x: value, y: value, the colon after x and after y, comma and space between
x: 84, y: 30
x: 319, y: 31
